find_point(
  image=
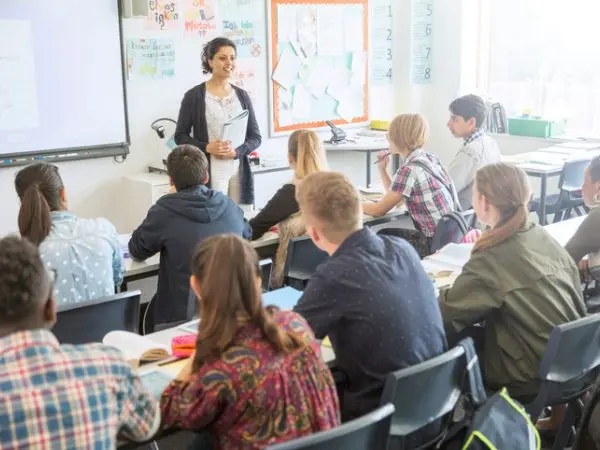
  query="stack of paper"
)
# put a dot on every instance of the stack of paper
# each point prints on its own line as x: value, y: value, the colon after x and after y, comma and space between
x: 449, y: 260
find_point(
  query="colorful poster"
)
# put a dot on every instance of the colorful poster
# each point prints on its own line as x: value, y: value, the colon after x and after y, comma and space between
x: 244, y: 76
x: 163, y: 14
x: 150, y: 59
x: 200, y: 18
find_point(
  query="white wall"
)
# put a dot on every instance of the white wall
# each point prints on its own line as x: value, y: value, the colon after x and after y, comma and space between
x: 94, y: 185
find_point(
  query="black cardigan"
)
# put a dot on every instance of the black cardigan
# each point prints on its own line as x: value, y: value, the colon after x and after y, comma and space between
x: 280, y: 207
x: 192, y: 117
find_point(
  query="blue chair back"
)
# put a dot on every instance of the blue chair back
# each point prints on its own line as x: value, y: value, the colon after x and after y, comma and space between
x: 89, y: 321
x: 365, y: 433
x: 572, y: 175
x: 422, y: 395
x: 303, y: 258
x: 570, y: 364
x: 450, y: 229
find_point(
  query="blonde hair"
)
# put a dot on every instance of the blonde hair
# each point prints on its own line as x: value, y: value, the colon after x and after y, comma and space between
x: 305, y: 148
x: 409, y: 132
x: 331, y: 203
x: 507, y: 188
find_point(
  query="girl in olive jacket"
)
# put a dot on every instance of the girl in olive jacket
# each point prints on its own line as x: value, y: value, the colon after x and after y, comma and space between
x: 519, y: 281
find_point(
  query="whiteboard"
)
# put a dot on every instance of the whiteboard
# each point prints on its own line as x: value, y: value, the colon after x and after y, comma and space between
x: 61, y: 77
x: 318, y: 63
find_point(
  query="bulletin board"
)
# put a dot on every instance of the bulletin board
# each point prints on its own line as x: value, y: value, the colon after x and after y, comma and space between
x: 318, y: 63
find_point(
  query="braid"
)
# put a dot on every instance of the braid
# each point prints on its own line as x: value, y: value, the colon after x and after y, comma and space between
x: 282, y: 341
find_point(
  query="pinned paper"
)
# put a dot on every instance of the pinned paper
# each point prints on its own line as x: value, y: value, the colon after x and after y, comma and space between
x: 330, y: 35
x: 318, y: 79
x: 286, y: 72
x: 339, y: 84
x: 306, y: 24
x: 358, y: 69
x: 301, y: 104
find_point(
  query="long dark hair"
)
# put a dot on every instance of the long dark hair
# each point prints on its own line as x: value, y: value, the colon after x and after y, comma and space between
x: 211, y: 48
x: 227, y: 269
x: 38, y: 186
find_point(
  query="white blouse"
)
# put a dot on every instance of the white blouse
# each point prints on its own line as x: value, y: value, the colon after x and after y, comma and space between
x: 218, y: 111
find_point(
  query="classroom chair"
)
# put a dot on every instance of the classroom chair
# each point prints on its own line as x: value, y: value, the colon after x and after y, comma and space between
x: 424, y: 396
x: 266, y: 265
x: 569, y: 367
x: 89, y: 321
x: 569, y: 198
x: 303, y: 258
x: 368, y: 432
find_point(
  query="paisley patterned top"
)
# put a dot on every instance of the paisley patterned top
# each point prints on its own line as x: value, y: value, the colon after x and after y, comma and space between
x: 253, y: 397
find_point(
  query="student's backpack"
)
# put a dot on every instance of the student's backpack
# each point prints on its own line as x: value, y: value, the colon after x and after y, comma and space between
x: 495, y: 423
x: 588, y: 434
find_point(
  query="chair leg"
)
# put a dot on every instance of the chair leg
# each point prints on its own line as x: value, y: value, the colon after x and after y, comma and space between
x: 572, y: 414
x: 558, y: 216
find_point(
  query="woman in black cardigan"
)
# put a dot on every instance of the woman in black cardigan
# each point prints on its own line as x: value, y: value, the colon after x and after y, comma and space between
x: 204, y: 110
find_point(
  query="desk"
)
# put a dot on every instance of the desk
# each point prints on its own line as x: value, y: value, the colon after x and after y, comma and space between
x: 361, y: 145
x: 138, y: 270
x: 545, y: 163
x: 564, y: 231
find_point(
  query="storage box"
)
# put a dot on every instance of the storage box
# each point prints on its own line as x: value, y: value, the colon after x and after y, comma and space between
x: 535, y: 127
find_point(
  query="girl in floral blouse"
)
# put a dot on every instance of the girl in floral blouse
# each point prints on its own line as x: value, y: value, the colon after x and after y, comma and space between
x: 257, y: 377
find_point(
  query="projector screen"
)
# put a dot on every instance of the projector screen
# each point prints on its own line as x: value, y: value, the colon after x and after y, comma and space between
x: 61, y: 77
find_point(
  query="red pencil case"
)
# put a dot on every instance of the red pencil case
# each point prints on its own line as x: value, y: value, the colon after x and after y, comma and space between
x: 183, y: 346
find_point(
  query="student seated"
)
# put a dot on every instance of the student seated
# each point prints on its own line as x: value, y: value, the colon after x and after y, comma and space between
x: 257, y: 377
x: 85, y: 253
x: 421, y: 182
x: 372, y: 296
x: 519, y: 281
x: 586, y: 240
x: 59, y: 396
x: 467, y: 121
x: 176, y: 224
x: 306, y: 156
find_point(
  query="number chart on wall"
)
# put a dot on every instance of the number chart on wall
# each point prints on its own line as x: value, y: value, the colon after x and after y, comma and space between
x: 318, y: 63
x: 421, y: 41
x: 381, y: 42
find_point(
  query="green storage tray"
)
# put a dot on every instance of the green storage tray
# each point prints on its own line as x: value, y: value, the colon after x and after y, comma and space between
x: 529, y: 127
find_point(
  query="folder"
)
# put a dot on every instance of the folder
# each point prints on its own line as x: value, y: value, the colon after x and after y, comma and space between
x: 234, y: 129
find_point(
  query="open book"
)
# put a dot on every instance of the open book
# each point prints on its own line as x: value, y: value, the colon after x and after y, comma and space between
x: 137, y: 349
x: 450, y: 260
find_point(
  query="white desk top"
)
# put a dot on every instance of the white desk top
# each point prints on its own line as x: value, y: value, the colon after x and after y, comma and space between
x: 134, y: 268
x: 164, y: 337
x: 564, y: 231
x: 548, y: 161
x: 358, y: 144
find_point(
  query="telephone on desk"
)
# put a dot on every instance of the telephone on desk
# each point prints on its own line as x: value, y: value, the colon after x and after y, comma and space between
x: 338, y: 136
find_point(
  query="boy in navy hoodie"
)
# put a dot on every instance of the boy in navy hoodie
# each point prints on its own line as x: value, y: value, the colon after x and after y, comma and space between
x: 176, y: 225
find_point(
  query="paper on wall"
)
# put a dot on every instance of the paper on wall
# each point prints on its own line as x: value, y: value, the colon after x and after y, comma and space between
x: 330, y: 35
x: 339, y: 84
x: 353, y: 25
x: 301, y: 104
x: 286, y: 72
x: 358, y: 69
x: 319, y: 77
x: 306, y: 25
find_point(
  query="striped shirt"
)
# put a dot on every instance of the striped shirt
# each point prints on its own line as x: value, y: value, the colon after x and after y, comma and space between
x: 56, y: 396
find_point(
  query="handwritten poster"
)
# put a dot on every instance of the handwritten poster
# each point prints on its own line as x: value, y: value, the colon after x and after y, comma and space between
x: 382, y: 39
x: 150, y: 59
x: 200, y: 18
x: 163, y: 14
x: 245, y: 77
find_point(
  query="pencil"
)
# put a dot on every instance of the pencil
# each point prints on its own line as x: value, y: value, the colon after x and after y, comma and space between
x: 382, y: 158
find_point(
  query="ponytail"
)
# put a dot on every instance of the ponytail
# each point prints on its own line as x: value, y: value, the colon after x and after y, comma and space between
x: 306, y: 150
x: 34, y: 215
x: 506, y: 188
x: 282, y: 341
x: 503, y: 231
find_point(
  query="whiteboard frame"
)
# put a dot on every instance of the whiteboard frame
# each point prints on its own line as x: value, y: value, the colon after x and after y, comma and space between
x: 271, y: 84
x: 113, y: 149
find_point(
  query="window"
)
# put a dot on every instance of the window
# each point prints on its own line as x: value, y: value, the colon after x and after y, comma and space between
x: 545, y: 57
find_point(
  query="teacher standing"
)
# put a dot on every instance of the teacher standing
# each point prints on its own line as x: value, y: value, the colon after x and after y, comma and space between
x: 204, y: 110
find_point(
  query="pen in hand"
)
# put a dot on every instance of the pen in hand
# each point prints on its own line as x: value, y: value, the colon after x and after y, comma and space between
x: 387, y: 155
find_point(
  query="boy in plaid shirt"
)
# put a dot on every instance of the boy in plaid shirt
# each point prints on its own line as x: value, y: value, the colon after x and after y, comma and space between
x: 421, y: 182
x: 59, y: 396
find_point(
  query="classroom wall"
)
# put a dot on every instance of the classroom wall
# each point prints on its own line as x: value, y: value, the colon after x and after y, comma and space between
x: 94, y: 185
